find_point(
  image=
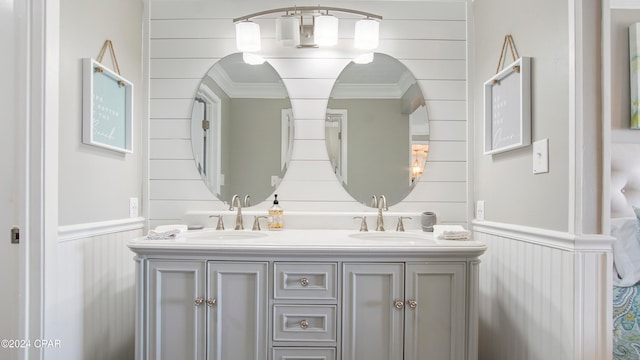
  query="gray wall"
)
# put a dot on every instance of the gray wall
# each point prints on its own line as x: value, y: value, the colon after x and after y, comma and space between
x: 255, y: 142
x: 378, y: 158
x: 95, y: 184
x: 505, y: 181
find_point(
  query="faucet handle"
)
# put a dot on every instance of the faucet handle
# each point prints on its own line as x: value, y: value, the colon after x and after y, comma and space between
x: 363, y: 224
x: 400, y: 226
x: 220, y: 224
x: 256, y: 222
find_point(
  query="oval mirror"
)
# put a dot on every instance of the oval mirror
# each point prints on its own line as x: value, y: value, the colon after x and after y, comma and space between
x: 242, y: 129
x: 377, y: 130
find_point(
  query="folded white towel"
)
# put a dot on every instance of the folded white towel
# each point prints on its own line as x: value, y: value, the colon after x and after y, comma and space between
x: 163, y: 235
x: 455, y: 235
x: 450, y: 232
x: 163, y: 228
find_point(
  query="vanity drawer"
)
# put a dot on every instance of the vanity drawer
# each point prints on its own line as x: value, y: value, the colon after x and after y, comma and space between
x: 305, y: 281
x: 312, y: 323
x: 304, y: 354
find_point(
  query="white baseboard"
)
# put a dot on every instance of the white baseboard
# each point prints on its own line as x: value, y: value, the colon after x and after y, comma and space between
x: 83, y: 231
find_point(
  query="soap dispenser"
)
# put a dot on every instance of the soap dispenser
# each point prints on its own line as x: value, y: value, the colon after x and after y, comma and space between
x: 275, y: 219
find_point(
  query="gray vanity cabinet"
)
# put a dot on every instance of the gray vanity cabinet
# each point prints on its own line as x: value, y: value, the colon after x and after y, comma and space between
x: 176, y: 326
x: 404, y: 311
x: 290, y: 298
x: 207, y: 310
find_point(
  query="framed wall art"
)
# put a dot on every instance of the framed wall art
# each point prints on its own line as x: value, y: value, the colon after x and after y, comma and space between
x: 634, y: 74
x: 507, y: 108
x: 107, y: 108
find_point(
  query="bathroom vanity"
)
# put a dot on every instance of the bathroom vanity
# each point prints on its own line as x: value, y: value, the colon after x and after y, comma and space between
x: 306, y: 294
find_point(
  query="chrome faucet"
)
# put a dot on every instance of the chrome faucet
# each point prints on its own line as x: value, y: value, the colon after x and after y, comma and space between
x: 236, y: 199
x: 374, y: 201
x: 382, y: 205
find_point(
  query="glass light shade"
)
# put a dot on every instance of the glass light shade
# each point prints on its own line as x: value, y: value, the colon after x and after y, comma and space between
x: 325, y: 30
x: 366, y: 34
x: 252, y: 59
x: 247, y: 36
x: 363, y: 58
x: 288, y: 30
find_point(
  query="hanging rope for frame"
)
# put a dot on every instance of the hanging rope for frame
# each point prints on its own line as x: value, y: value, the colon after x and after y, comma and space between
x: 508, y: 40
x: 109, y: 44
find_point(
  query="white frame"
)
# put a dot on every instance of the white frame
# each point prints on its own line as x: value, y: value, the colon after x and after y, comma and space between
x: 88, y: 104
x: 523, y: 75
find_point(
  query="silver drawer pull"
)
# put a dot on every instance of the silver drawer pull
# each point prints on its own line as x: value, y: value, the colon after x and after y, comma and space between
x: 304, y: 281
x: 398, y: 304
x: 198, y: 301
x: 211, y: 302
x: 304, y: 324
x: 413, y: 304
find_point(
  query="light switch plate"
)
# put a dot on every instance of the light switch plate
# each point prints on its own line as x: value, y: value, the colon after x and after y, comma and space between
x: 480, y: 210
x: 541, y: 156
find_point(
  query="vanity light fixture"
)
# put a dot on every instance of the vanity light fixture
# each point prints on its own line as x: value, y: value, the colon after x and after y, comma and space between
x: 248, y: 36
x: 288, y: 30
x: 325, y: 30
x: 366, y: 35
x: 364, y: 58
x: 252, y: 59
x: 309, y: 26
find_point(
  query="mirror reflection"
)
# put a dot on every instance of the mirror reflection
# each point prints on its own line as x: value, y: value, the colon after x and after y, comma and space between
x: 242, y: 129
x: 377, y: 130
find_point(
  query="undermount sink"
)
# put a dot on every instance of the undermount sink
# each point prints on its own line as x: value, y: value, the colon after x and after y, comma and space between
x: 224, y: 235
x: 391, y: 236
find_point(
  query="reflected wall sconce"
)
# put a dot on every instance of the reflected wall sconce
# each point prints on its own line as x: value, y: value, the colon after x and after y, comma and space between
x: 417, y: 169
x: 308, y: 26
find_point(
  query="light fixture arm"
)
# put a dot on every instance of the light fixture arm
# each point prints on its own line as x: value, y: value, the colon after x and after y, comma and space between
x: 307, y: 9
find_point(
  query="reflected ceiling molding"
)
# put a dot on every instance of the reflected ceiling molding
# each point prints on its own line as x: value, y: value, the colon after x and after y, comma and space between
x: 390, y: 90
x: 309, y: 27
x: 247, y: 90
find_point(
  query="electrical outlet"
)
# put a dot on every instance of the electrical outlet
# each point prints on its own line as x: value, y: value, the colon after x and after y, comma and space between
x: 133, y: 207
x: 480, y: 210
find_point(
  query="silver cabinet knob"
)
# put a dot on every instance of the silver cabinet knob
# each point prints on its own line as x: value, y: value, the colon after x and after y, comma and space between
x: 398, y: 304
x: 304, y: 282
x: 198, y: 301
x: 304, y: 324
x: 413, y: 304
x: 211, y: 302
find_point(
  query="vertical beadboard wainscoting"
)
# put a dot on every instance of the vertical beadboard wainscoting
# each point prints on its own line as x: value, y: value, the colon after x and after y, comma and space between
x: 187, y: 38
x: 544, y: 295
x: 95, y: 290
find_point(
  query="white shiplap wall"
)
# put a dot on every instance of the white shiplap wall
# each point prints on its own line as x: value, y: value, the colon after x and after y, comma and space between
x: 188, y: 37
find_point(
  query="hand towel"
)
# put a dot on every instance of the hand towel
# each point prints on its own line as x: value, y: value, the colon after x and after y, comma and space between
x: 166, y: 232
x: 450, y: 232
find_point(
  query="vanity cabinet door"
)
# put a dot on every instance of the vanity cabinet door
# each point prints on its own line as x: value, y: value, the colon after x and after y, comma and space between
x: 237, y: 310
x: 373, y: 311
x: 176, y: 310
x: 435, y: 311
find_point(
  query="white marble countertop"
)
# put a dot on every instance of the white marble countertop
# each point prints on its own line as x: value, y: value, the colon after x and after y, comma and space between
x: 308, y: 240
